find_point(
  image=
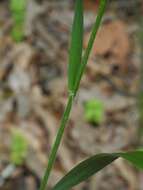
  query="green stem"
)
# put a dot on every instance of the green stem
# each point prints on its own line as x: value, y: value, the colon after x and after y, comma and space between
x: 86, y: 55
x: 55, y: 147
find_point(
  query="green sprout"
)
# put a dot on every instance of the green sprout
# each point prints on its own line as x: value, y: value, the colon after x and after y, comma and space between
x: 19, y: 147
x: 94, y: 111
x: 18, y: 13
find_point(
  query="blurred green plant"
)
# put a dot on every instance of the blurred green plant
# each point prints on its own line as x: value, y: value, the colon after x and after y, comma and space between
x: 18, y: 13
x: 19, y: 147
x: 94, y: 111
x: 5, y: 94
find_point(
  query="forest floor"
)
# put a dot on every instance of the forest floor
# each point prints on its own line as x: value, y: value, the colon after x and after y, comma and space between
x: 33, y: 94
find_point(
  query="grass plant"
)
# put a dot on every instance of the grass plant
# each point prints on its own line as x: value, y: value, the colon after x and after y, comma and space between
x: 78, y: 59
x: 77, y: 65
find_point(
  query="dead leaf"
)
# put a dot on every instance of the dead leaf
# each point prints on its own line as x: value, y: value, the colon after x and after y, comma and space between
x: 91, y: 4
x: 112, y: 41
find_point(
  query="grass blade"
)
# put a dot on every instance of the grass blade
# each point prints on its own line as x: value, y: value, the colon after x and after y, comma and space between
x: 76, y: 46
x: 134, y: 157
x: 93, y: 35
x: 94, y: 164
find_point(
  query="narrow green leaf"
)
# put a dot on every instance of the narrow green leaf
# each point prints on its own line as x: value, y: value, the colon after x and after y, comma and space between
x: 94, y: 164
x: 135, y: 157
x: 76, y: 45
x: 100, y: 13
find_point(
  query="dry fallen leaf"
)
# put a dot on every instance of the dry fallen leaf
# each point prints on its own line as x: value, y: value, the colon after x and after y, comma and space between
x: 112, y: 41
x: 91, y: 4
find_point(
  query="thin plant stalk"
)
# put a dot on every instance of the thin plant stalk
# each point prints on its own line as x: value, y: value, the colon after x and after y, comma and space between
x: 67, y: 111
x: 53, y: 154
